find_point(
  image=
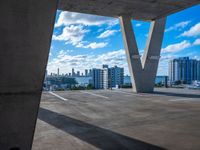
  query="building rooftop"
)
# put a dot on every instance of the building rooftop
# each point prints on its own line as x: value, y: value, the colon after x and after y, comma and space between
x: 119, y: 119
x: 137, y: 9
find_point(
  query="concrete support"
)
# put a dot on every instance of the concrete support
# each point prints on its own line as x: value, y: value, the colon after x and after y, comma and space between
x: 26, y: 29
x: 143, y: 73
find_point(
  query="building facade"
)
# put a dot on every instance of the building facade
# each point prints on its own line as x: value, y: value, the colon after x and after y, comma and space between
x: 184, y: 69
x: 107, y: 77
x: 117, y: 76
x: 97, y: 78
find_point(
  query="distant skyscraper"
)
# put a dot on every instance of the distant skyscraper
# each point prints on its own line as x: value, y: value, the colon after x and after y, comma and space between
x: 58, y: 72
x: 90, y: 72
x: 78, y: 73
x: 86, y: 72
x: 73, y: 73
x: 184, y: 69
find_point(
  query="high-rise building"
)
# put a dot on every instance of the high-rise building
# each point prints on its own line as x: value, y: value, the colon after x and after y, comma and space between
x: 107, y: 77
x: 86, y: 72
x: 184, y: 69
x: 97, y: 78
x: 198, y: 70
x: 90, y: 72
x: 73, y: 73
x: 58, y: 72
x: 78, y: 73
x: 116, y: 76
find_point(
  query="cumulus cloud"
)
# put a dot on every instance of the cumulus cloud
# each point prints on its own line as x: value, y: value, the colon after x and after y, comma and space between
x: 177, y: 47
x: 107, y: 33
x: 178, y: 26
x: 193, y: 31
x: 196, y: 42
x: 65, y: 61
x: 68, y: 18
x: 71, y: 34
x: 74, y: 35
x: 93, y: 45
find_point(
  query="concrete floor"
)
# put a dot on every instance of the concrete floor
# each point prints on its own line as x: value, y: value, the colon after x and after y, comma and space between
x: 119, y: 120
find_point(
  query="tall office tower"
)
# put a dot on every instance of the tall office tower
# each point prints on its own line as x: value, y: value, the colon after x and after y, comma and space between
x: 90, y: 72
x: 97, y: 78
x: 198, y: 70
x: 183, y: 69
x: 58, y: 72
x: 73, y: 73
x: 86, y: 72
x: 116, y: 75
x: 78, y: 73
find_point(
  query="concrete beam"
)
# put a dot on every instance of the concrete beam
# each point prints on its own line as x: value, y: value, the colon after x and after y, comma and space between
x: 143, y: 73
x: 26, y: 28
x: 137, y: 9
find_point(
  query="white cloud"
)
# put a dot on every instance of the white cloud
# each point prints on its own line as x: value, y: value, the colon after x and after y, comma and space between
x: 68, y: 18
x: 176, y: 47
x: 74, y: 35
x: 71, y: 34
x: 163, y: 63
x: 93, y: 45
x: 65, y: 61
x: 178, y: 26
x: 193, y: 31
x: 138, y: 24
x: 196, y: 42
x: 107, y: 33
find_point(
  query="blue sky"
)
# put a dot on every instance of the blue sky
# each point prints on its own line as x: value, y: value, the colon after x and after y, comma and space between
x: 86, y: 41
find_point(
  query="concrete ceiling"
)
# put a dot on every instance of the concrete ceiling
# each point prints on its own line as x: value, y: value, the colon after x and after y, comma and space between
x: 138, y: 9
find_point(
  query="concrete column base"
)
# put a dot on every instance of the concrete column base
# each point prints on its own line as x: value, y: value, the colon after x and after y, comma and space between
x: 26, y: 28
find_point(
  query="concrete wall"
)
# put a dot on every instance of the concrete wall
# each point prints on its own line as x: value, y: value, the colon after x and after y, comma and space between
x: 25, y: 35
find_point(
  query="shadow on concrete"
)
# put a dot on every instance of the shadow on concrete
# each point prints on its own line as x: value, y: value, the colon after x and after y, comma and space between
x: 98, y: 137
x: 177, y: 94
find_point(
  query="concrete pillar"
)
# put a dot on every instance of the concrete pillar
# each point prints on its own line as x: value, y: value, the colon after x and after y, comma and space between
x: 143, y: 73
x: 25, y: 35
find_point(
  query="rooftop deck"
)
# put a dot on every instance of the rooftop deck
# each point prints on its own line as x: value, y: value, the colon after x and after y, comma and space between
x: 119, y: 119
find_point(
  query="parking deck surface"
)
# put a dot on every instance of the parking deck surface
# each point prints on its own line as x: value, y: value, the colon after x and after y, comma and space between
x: 119, y: 120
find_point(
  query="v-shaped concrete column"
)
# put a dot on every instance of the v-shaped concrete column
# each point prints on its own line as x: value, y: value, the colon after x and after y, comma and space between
x: 143, y: 72
x: 26, y: 28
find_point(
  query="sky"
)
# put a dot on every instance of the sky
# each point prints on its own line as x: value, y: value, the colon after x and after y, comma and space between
x: 83, y: 41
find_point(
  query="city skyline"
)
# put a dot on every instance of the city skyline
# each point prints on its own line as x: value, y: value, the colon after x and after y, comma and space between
x: 97, y: 40
x: 76, y: 73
